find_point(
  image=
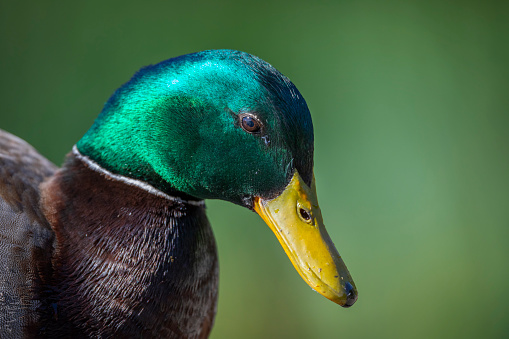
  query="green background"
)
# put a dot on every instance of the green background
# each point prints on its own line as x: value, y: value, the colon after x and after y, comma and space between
x: 410, y: 103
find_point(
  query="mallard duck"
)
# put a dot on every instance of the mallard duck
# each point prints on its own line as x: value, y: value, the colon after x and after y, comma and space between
x: 116, y: 243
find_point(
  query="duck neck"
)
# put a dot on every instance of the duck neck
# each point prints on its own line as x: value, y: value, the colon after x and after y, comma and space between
x: 128, y: 260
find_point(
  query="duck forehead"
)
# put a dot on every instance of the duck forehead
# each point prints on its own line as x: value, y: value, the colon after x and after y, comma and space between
x: 237, y: 79
x: 222, y: 83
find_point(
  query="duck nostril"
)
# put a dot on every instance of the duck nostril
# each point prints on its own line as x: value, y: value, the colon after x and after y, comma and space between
x: 304, y: 214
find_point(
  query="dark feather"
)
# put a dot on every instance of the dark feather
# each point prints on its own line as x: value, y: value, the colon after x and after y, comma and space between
x: 26, y: 239
x: 93, y: 257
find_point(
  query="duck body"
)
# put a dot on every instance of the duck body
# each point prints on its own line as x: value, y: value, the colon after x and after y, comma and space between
x: 26, y: 237
x: 141, y: 266
x: 116, y: 243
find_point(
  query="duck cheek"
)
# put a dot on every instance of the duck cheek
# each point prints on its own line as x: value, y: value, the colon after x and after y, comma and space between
x: 296, y: 220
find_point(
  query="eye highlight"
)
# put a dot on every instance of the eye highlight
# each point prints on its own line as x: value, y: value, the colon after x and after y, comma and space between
x: 250, y: 123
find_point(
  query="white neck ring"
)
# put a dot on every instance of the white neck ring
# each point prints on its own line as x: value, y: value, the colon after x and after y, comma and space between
x: 131, y: 182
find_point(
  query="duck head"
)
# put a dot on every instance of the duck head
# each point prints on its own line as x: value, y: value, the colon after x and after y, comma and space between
x: 224, y: 124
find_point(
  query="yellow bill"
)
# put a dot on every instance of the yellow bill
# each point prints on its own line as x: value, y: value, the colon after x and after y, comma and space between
x: 296, y: 220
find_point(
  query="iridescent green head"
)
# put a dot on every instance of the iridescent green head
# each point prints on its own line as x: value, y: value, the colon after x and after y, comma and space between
x: 218, y: 124
x: 225, y: 125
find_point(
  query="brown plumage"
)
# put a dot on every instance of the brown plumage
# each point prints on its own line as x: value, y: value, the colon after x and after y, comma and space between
x: 26, y: 238
x: 85, y: 255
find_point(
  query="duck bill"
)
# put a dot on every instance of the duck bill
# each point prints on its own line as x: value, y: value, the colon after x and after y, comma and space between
x: 296, y: 220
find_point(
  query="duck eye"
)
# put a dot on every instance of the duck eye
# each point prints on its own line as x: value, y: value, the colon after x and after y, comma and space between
x: 249, y: 123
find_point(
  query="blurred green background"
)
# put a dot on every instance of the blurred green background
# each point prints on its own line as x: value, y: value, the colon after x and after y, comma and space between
x: 410, y: 103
